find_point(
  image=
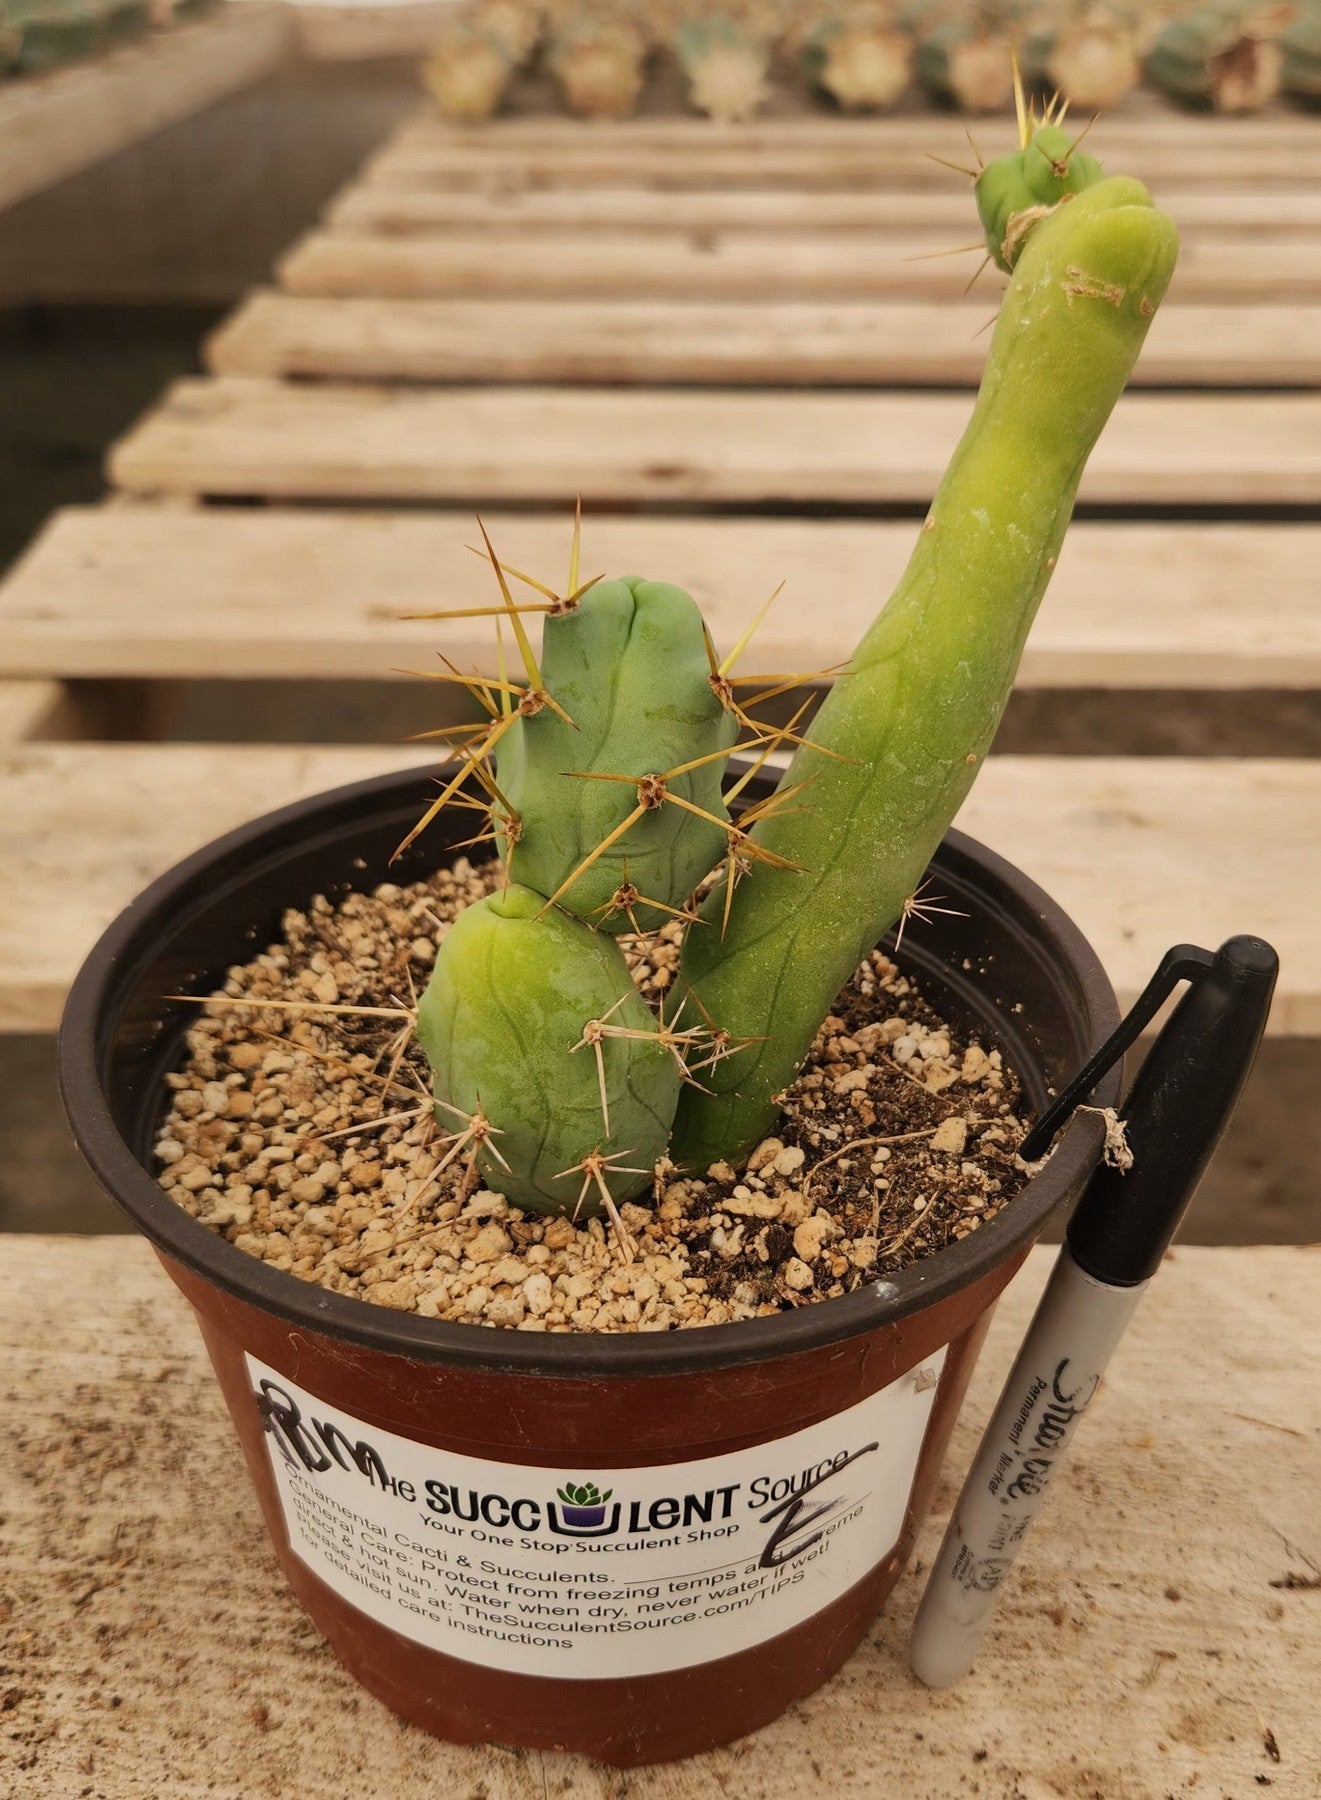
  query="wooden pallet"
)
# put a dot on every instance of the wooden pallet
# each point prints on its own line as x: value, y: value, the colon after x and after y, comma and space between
x: 404, y: 212
x: 85, y: 827
x: 245, y: 436
x: 816, y: 344
x: 318, y: 592
x: 635, y: 264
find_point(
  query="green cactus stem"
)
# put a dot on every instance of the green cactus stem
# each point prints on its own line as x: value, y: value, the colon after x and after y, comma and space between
x: 570, y: 775
x: 549, y: 1067
x: 920, y: 703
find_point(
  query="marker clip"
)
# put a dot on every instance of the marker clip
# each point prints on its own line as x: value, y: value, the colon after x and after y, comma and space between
x: 1184, y: 962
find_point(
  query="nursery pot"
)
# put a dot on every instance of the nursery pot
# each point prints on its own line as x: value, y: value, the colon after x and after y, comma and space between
x: 633, y: 1546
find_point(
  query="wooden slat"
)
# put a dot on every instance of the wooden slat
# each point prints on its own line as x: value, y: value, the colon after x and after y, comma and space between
x: 1189, y: 849
x: 26, y: 707
x: 246, y: 436
x: 591, y: 265
x: 317, y: 594
x: 1145, y: 119
x: 601, y: 162
x: 361, y: 209
x: 1163, y: 1556
x: 55, y: 124
x: 802, y: 344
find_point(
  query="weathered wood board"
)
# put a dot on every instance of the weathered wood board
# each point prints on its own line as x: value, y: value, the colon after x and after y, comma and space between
x: 862, y: 161
x: 1188, y: 849
x: 1144, y: 1646
x: 1263, y: 211
x: 241, y: 435
x: 754, y: 343
x: 638, y: 265
x: 264, y: 592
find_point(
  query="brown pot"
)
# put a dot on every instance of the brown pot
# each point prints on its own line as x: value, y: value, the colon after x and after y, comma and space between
x: 758, y: 1485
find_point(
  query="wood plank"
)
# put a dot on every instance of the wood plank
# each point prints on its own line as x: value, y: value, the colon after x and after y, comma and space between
x: 316, y: 594
x: 588, y: 161
x: 1143, y: 852
x: 1145, y: 118
x: 55, y: 124
x: 1165, y: 1497
x: 758, y: 343
x: 361, y: 209
x: 27, y: 707
x: 242, y: 435
x: 783, y: 266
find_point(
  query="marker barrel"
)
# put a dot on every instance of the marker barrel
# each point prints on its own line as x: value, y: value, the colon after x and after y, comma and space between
x: 1075, y: 1329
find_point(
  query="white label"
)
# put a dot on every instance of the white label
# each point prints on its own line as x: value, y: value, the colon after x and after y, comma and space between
x: 586, y: 1573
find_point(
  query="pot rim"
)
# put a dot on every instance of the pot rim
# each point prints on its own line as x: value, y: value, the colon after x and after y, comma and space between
x: 91, y: 1017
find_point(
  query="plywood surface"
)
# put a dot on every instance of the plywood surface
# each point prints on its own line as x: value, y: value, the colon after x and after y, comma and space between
x: 149, y: 591
x: 633, y: 263
x: 52, y: 125
x: 723, y: 343
x: 1145, y: 1645
x: 241, y: 435
x: 1143, y: 853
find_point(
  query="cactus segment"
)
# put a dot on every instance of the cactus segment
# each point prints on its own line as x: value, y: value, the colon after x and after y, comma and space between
x: 630, y: 668
x: 505, y: 1024
x: 1016, y: 191
x: 929, y: 680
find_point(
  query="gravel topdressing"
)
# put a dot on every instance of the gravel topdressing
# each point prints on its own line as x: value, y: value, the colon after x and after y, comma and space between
x: 307, y: 1139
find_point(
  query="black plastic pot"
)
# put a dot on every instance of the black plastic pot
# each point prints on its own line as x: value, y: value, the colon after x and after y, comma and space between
x: 542, y: 1410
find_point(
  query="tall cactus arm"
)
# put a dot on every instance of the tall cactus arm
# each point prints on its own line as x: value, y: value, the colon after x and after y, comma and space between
x: 923, y: 695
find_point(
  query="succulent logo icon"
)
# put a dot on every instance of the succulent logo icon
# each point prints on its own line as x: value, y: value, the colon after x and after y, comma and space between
x: 583, y: 1510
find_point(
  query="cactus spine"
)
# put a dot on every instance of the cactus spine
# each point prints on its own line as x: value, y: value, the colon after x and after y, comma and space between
x: 601, y: 771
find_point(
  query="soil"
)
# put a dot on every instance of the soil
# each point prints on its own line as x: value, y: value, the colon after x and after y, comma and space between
x: 305, y: 1136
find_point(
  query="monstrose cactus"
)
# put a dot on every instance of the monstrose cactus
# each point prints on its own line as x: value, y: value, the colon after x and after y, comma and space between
x: 602, y: 770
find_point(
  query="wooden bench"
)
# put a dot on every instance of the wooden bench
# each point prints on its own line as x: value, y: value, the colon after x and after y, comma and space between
x: 1160, y: 1635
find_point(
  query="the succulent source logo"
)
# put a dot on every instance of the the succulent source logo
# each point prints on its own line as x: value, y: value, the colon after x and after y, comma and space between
x: 583, y: 1510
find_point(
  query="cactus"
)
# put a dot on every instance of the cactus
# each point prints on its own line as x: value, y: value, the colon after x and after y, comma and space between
x: 725, y: 60
x: 514, y: 24
x: 467, y: 72
x: 1089, y: 53
x: 599, y: 61
x: 1224, y: 57
x: 1300, y: 47
x: 963, y: 55
x: 599, y: 774
x: 860, y: 57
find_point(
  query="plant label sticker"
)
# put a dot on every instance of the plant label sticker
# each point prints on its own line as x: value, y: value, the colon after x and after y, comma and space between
x: 594, y: 1573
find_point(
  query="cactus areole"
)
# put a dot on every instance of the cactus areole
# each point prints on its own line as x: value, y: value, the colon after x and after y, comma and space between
x: 603, y: 771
